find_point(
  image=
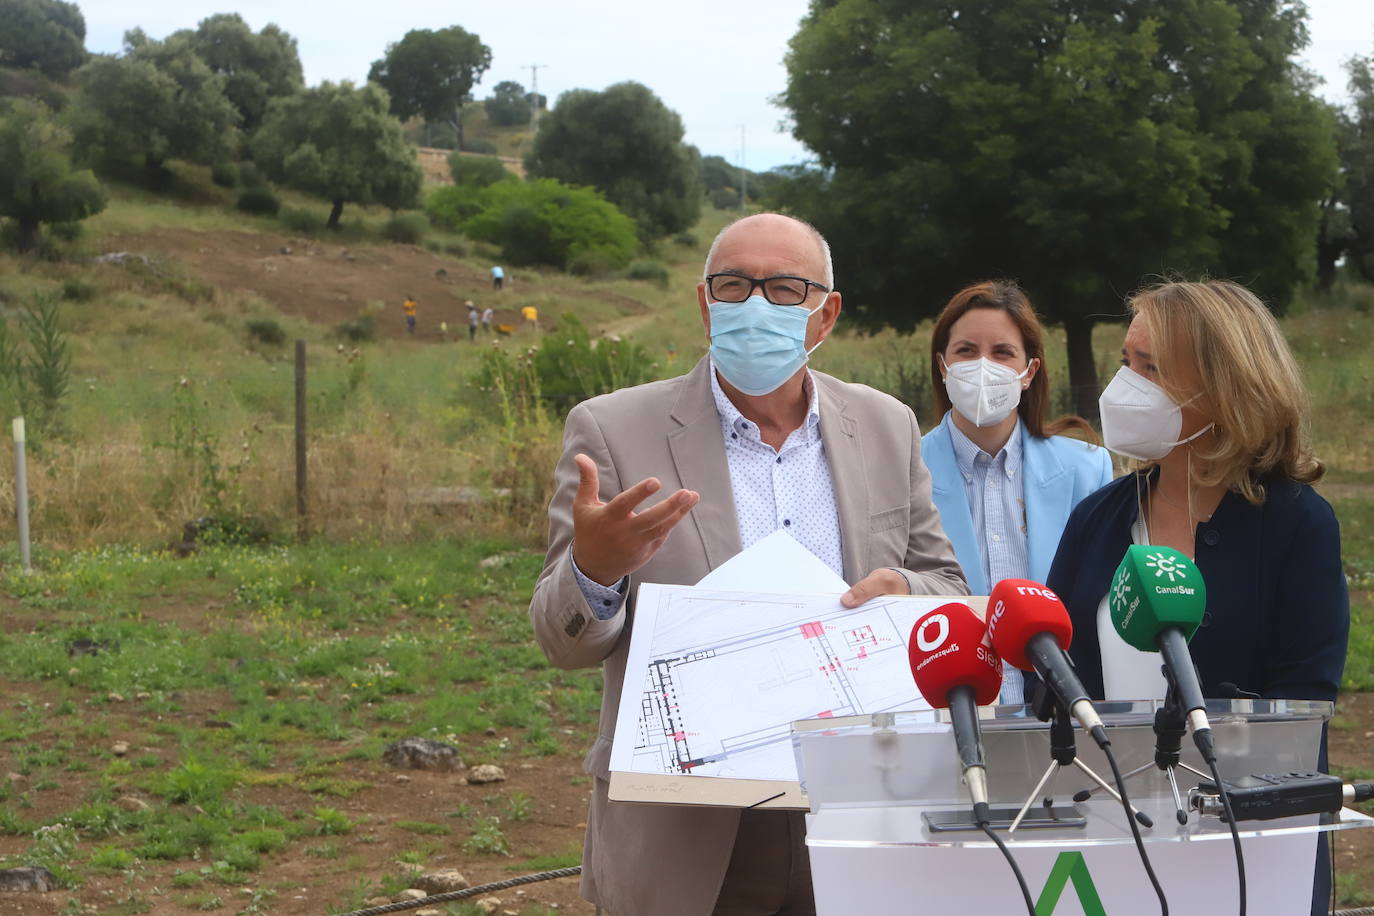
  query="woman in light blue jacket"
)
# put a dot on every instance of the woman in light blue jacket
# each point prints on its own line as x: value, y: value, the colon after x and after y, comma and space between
x: 1002, y: 478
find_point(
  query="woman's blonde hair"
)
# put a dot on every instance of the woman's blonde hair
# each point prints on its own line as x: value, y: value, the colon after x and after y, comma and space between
x: 1250, y: 383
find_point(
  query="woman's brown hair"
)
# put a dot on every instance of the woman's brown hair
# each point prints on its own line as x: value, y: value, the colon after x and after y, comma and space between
x: 1009, y: 298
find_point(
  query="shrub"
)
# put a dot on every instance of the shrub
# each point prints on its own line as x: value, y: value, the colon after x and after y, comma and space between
x: 724, y: 199
x: 652, y: 271
x: 451, y: 207
x: 364, y: 327
x: 260, y: 200
x: 66, y: 232
x: 595, y: 263
x: 408, y: 228
x: 567, y: 368
x: 267, y: 331
x: 224, y: 173
x: 547, y: 222
x: 479, y: 145
x: 298, y: 219
x: 477, y: 171
x: 74, y: 289
x: 250, y: 175
x: 686, y: 239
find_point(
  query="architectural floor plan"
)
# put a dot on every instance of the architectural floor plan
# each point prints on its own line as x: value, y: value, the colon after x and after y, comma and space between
x: 724, y: 675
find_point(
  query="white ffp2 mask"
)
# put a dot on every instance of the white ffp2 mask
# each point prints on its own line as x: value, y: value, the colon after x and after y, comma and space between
x: 984, y: 392
x: 1139, y: 419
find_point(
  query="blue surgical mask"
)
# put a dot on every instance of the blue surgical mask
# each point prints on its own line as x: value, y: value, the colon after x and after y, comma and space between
x: 757, y: 345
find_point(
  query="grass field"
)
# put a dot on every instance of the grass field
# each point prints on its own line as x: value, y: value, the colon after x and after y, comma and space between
x: 254, y: 691
x: 205, y: 732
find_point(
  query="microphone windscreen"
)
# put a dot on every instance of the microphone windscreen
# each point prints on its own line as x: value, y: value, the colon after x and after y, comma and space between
x: 1155, y: 588
x: 949, y: 648
x: 1019, y: 609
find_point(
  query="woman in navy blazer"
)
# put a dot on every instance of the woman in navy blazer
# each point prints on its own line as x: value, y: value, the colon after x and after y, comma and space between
x: 1211, y: 401
x: 987, y: 349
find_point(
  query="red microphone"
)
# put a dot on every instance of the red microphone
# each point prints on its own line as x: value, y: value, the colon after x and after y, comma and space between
x: 955, y: 668
x: 1031, y: 629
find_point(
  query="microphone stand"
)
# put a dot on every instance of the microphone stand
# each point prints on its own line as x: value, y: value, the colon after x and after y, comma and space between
x: 1171, y: 724
x: 1063, y: 753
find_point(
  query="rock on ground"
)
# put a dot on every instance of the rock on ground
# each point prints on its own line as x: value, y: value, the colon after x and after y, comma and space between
x: 422, y: 754
x: 485, y: 773
x: 442, y: 882
x: 27, y: 880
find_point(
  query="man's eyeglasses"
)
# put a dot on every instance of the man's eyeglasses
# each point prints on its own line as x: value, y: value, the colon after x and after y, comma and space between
x: 777, y: 290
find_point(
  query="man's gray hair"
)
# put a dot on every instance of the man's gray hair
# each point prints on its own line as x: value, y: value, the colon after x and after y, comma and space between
x: 828, y: 277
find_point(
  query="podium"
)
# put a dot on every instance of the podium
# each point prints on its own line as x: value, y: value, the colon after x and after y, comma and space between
x: 870, y: 779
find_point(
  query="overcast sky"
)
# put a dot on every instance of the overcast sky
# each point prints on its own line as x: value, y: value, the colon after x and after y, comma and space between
x: 718, y: 63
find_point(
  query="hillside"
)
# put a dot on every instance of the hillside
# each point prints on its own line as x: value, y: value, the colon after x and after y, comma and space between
x: 326, y: 282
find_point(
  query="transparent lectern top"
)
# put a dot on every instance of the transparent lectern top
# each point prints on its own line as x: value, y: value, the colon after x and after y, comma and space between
x: 906, y: 759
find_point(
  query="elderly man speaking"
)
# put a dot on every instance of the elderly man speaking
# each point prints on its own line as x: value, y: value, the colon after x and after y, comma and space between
x: 665, y: 481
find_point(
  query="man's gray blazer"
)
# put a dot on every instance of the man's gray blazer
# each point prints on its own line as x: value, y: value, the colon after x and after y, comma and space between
x: 646, y: 860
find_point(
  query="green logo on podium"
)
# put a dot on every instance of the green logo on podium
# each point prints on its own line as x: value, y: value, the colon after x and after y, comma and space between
x: 1070, y: 866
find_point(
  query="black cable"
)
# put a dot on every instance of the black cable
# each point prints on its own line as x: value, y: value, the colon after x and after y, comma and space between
x: 1015, y: 869
x: 1235, y: 831
x: 1135, y: 830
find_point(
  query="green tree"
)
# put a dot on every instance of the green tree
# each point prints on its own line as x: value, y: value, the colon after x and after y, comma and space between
x: 477, y: 170
x: 1336, y: 235
x: 543, y: 221
x: 431, y: 73
x: 508, y: 105
x: 40, y: 185
x: 1078, y: 146
x: 338, y: 142
x: 47, y: 35
x: 626, y: 143
x: 1357, y: 167
x: 158, y: 101
x: 256, y: 67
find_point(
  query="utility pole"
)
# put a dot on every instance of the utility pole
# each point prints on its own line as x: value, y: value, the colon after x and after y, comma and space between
x: 743, y: 174
x: 534, y: 91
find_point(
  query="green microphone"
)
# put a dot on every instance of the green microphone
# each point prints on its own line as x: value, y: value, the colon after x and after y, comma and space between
x: 1157, y: 600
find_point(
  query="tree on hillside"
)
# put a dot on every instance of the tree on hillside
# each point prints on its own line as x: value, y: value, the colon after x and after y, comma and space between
x: 508, y: 105
x: 40, y: 185
x: 626, y: 143
x: 158, y: 101
x: 257, y: 67
x: 340, y: 143
x: 1081, y: 147
x: 1357, y: 167
x: 431, y: 73
x: 47, y: 35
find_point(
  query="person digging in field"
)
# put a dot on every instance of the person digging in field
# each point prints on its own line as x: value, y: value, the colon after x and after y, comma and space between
x: 409, y: 307
x: 665, y: 481
x: 487, y: 316
x: 498, y: 277
x: 531, y: 316
x: 472, y: 321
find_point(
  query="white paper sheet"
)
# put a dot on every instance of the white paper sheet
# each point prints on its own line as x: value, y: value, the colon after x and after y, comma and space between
x: 776, y: 563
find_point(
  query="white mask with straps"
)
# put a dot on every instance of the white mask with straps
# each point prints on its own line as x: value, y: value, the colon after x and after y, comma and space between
x: 1139, y: 419
x: 984, y: 392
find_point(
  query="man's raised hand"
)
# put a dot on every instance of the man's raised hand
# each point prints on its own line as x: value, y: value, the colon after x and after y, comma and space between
x: 612, y: 540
